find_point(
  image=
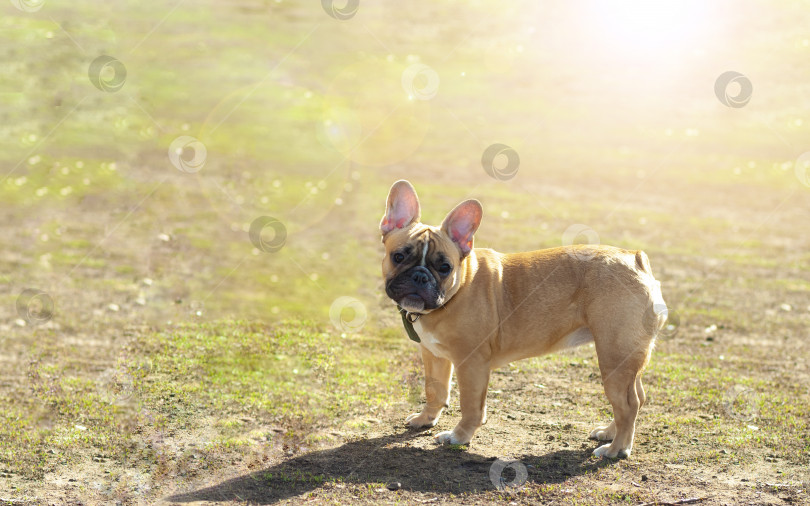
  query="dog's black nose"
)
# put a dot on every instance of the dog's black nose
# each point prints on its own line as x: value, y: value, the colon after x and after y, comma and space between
x: 420, y: 277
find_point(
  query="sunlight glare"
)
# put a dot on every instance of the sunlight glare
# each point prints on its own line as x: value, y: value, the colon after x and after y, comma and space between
x: 638, y: 32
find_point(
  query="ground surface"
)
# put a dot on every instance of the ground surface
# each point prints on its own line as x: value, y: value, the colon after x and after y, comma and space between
x: 152, y: 350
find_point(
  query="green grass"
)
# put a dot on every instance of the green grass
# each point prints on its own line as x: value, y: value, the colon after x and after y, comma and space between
x: 295, y: 374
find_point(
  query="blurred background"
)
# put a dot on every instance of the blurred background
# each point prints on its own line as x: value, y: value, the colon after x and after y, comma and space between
x: 306, y: 113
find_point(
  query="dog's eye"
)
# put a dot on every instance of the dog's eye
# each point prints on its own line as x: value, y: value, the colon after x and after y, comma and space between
x: 445, y: 269
x: 398, y: 258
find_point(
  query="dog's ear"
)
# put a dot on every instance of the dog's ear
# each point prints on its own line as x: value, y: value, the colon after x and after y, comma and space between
x: 461, y: 224
x: 402, y: 207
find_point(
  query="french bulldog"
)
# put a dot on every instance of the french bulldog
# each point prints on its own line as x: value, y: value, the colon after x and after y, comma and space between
x: 475, y: 309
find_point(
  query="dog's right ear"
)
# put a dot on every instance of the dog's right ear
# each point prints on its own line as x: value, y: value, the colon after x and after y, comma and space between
x: 402, y: 207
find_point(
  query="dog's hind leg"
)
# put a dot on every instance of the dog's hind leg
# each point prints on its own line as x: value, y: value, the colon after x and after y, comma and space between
x: 642, y: 397
x: 621, y: 378
x: 621, y: 392
x: 604, y: 432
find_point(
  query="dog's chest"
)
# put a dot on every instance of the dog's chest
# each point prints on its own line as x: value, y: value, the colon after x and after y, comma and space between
x: 430, y: 341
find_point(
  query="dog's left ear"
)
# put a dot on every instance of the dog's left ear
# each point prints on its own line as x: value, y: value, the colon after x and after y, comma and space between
x: 461, y: 224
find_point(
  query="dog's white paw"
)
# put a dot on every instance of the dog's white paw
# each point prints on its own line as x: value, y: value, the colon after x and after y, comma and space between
x: 449, y: 437
x: 607, y: 452
x: 604, y: 433
x: 420, y: 420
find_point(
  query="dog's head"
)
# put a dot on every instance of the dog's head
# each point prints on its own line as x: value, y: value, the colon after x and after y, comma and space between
x: 422, y: 263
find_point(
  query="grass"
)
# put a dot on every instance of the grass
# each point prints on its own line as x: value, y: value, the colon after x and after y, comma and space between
x: 292, y: 375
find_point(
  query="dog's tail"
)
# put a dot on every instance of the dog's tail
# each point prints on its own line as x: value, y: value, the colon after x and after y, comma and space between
x: 659, y: 308
x: 643, y: 263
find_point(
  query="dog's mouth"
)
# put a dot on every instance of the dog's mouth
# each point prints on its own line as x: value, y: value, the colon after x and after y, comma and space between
x: 412, y: 303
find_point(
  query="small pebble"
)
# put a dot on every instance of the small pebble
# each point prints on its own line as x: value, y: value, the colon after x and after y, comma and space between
x: 395, y: 485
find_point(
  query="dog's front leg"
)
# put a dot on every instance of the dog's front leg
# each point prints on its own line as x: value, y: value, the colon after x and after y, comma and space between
x: 437, y: 390
x: 473, y: 379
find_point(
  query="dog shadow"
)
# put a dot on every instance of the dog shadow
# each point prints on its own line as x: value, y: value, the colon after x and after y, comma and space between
x: 389, y: 459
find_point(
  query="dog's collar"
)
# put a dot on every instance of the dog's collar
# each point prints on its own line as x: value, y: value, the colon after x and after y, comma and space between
x: 407, y: 322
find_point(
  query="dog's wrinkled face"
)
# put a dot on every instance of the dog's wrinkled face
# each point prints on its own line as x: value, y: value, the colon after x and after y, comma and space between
x: 422, y: 264
x: 419, y: 268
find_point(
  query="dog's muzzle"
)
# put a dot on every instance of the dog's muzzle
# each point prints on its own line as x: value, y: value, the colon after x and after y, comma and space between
x: 415, y: 290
